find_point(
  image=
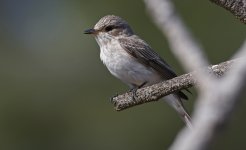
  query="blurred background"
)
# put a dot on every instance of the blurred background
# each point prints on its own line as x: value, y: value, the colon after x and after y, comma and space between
x: 54, y: 90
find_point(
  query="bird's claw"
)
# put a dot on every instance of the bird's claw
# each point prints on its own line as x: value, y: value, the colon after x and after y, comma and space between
x: 112, y: 98
x: 134, y: 95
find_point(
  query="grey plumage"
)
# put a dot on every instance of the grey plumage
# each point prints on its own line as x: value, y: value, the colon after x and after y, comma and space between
x: 145, y: 55
x: 132, y: 60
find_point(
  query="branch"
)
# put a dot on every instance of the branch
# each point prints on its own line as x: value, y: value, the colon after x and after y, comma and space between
x: 156, y: 91
x: 236, y: 7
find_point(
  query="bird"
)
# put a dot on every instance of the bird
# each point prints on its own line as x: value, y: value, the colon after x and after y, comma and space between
x: 133, y: 61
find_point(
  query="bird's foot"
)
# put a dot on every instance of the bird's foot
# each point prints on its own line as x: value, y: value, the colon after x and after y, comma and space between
x: 134, y: 95
x: 134, y: 90
x: 112, y: 98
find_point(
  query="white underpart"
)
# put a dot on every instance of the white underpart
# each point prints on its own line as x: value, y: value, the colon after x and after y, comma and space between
x: 124, y: 66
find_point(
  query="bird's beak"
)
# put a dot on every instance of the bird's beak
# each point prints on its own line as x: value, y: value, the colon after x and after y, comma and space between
x: 90, y: 31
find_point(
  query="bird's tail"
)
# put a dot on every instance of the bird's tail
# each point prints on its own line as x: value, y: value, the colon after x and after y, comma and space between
x: 176, y: 103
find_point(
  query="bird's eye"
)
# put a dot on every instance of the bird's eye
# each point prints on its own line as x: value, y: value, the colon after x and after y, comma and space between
x: 109, y: 28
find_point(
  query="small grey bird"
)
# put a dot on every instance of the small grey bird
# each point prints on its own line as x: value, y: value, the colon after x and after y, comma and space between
x: 132, y: 60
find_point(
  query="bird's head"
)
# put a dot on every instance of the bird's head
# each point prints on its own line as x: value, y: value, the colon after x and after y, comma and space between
x: 110, y: 26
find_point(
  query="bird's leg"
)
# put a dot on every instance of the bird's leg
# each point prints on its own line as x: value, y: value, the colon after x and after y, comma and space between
x: 142, y: 85
x: 134, y: 90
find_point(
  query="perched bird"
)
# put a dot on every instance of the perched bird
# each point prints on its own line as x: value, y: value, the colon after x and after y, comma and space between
x: 132, y: 60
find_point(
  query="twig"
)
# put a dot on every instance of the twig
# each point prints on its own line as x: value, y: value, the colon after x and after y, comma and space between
x: 156, y: 91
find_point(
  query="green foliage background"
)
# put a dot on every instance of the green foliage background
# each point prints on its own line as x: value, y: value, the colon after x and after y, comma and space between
x: 54, y: 91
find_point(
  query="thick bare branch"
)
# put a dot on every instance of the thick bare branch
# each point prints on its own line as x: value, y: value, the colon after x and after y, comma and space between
x: 236, y: 7
x: 155, y: 92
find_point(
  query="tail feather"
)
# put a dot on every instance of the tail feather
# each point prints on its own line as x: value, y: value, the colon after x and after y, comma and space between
x: 176, y: 103
x: 186, y: 118
x: 181, y: 95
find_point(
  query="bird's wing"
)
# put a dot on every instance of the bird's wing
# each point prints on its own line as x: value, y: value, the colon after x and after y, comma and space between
x: 145, y: 55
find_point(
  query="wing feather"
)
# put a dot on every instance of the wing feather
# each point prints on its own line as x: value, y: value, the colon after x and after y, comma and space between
x: 145, y: 55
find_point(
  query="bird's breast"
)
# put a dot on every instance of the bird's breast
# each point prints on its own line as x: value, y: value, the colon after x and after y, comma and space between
x: 124, y: 66
x: 115, y: 57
